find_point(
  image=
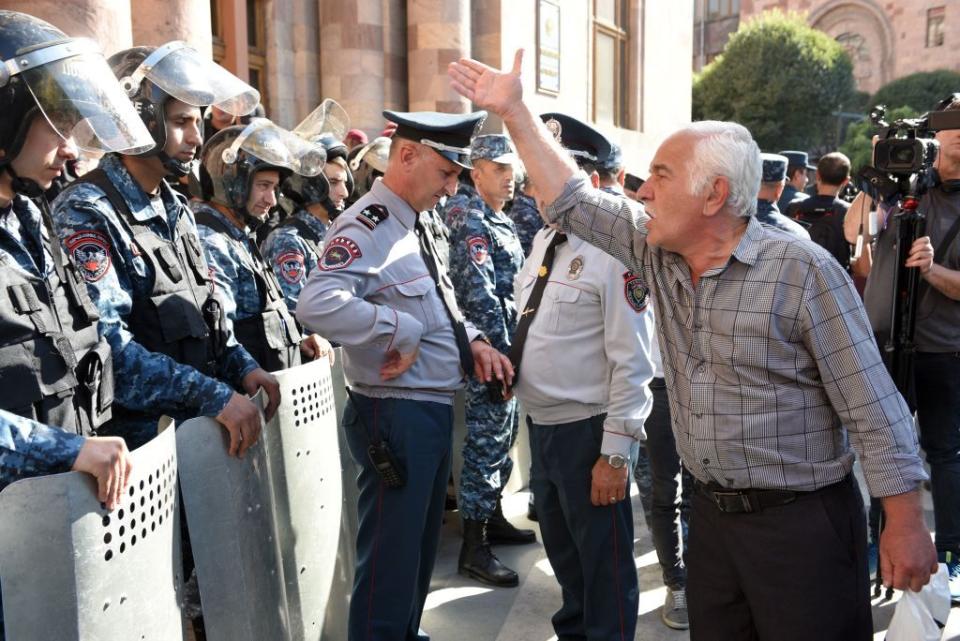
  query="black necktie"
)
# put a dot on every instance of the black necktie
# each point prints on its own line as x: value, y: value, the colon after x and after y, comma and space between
x: 445, y: 288
x: 533, y: 303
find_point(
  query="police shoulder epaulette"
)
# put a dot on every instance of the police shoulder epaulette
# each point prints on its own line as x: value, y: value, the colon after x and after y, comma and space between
x: 373, y: 215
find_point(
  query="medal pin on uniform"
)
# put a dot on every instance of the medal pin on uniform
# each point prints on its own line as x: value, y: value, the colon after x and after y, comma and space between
x: 575, y: 269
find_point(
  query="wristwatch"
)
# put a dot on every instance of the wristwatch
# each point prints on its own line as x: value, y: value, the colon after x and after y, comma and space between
x: 616, y: 461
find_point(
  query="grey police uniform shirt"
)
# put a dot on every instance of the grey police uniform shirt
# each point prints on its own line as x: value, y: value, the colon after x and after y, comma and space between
x: 938, y: 316
x: 372, y: 293
x: 588, y: 350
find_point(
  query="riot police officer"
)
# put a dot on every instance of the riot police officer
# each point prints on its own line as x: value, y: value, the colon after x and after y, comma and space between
x: 135, y: 243
x: 293, y: 248
x: 244, y: 167
x: 771, y: 188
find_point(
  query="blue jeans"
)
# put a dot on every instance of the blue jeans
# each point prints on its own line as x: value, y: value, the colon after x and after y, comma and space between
x: 938, y: 413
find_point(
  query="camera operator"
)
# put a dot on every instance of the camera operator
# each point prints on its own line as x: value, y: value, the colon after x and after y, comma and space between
x: 936, y: 379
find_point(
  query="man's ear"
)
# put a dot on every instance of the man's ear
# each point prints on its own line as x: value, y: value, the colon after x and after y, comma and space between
x: 622, y: 176
x: 717, y: 196
x: 595, y: 180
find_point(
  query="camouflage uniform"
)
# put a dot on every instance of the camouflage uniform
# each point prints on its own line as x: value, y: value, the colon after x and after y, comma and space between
x: 458, y: 204
x: 151, y: 384
x: 29, y: 448
x: 768, y: 214
x: 293, y: 257
x: 484, y: 259
x: 526, y: 218
x: 231, y: 265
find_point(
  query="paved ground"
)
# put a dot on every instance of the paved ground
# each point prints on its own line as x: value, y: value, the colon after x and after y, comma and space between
x: 459, y: 609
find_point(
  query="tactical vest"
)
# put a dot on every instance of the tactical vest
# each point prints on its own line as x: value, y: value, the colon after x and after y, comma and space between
x: 180, y: 317
x: 54, y: 366
x: 307, y: 233
x: 272, y: 336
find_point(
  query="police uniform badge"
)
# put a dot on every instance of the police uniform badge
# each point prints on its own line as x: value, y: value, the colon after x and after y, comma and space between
x: 555, y: 128
x: 90, y: 251
x: 373, y: 215
x: 575, y: 269
x: 291, y: 266
x: 478, y: 249
x: 635, y: 291
x: 340, y: 252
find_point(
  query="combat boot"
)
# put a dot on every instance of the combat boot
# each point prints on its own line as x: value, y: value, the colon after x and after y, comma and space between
x: 478, y: 561
x: 500, y: 530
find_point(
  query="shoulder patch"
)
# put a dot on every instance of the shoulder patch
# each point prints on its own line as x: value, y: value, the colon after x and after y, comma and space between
x: 340, y: 252
x: 635, y: 291
x: 90, y: 251
x: 373, y: 215
x: 291, y: 266
x: 479, y: 250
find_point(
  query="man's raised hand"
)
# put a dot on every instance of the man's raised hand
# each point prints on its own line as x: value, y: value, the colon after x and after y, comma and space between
x: 496, y: 91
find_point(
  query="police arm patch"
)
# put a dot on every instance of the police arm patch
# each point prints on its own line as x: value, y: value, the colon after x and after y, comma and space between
x: 340, y: 252
x: 291, y: 266
x: 635, y: 291
x: 90, y: 251
x: 373, y: 215
x: 477, y: 245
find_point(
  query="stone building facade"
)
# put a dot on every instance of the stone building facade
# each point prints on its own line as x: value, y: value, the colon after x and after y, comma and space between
x: 619, y: 63
x: 886, y: 39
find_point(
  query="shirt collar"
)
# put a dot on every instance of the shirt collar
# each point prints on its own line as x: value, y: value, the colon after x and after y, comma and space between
x: 234, y: 231
x: 312, y: 221
x: 748, y: 248
x: 137, y: 199
x: 396, y: 205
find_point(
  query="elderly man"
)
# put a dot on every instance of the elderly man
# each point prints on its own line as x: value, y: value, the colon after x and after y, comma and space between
x: 379, y: 291
x: 771, y: 368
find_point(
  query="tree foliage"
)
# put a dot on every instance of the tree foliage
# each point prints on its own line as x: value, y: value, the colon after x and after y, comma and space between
x: 919, y: 91
x: 781, y: 79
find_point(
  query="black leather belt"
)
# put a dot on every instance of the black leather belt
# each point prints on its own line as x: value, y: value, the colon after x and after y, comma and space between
x: 733, y: 501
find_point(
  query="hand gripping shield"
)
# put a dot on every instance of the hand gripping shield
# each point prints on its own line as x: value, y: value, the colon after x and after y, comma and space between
x: 264, y: 529
x: 74, y: 571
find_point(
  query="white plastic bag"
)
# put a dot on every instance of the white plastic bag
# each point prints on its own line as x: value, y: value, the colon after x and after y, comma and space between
x: 921, y: 616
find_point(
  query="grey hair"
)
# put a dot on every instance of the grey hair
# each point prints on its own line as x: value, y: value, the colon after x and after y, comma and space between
x: 726, y: 149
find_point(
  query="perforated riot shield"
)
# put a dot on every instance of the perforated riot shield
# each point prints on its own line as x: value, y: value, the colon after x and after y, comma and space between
x: 264, y: 529
x: 73, y: 571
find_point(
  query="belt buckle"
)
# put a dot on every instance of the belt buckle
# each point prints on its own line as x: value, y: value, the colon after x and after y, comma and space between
x: 740, y: 506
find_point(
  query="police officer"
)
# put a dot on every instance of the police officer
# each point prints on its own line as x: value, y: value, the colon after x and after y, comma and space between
x: 771, y: 187
x: 798, y: 163
x: 379, y: 291
x: 485, y: 257
x: 582, y: 306
x: 135, y: 243
x: 524, y: 214
x: 293, y: 248
x: 244, y: 167
x: 823, y: 215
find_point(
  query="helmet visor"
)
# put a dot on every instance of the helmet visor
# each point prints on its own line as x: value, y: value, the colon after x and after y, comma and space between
x: 376, y: 153
x: 328, y: 118
x: 276, y: 146
x: 189, y: 77
x: 80, y: 98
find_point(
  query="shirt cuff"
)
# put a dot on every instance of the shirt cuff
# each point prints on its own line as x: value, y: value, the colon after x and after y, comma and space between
x: 619, y: 437
x: 53, y: 450
x: 213, y: 404
x: 407, y: 333
x: 569, y: 197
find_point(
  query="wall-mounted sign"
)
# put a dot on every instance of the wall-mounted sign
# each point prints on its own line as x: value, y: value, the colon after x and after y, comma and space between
x: 548, y: 47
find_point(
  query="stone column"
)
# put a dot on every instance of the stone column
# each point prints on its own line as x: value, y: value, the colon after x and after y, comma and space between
x: 106, y: 21
x: 394, y: 55
x: 438, y: 32
x: 352, y: 59
x: 156, y: 22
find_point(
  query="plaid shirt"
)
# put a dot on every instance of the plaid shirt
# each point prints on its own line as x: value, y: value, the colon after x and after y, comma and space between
x: 770, y: 360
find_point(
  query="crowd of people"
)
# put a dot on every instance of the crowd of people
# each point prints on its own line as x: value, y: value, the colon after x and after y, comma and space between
x: 710, y: 332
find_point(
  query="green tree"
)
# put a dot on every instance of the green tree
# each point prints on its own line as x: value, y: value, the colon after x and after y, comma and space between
x: 781, y: 79
x: 919, y: 91
x: 858, y: 145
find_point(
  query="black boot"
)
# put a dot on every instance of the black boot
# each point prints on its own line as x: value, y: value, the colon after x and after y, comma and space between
x: 478, y: 561
x: 500, y: 530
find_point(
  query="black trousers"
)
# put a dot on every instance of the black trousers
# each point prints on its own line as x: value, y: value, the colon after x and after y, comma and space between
x: 792, y: 572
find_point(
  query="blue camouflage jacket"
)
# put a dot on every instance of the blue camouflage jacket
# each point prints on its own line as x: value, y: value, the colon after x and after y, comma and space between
x: 29, y: 448
x: 457, y: 205
x: 485, y: 256
x: 23, y: 236
x: 769, y: 214
x: 526, y: 218
x: 231, y: 265
x: 291, y: 257
x: 117, y: 275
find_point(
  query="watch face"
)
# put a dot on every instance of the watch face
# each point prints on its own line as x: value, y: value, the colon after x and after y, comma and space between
x: 616, y: 461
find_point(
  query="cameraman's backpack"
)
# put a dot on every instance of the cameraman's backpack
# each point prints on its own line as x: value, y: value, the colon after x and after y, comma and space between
x: 825, y: 226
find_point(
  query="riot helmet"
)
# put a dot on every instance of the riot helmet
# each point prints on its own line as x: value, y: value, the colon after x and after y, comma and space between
x: 367, y: 163
x: 67, y: 80
x: 151, y: 76
x: 231, y: 159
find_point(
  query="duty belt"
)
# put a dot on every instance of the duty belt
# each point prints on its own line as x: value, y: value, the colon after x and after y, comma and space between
x: 733, y: 501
